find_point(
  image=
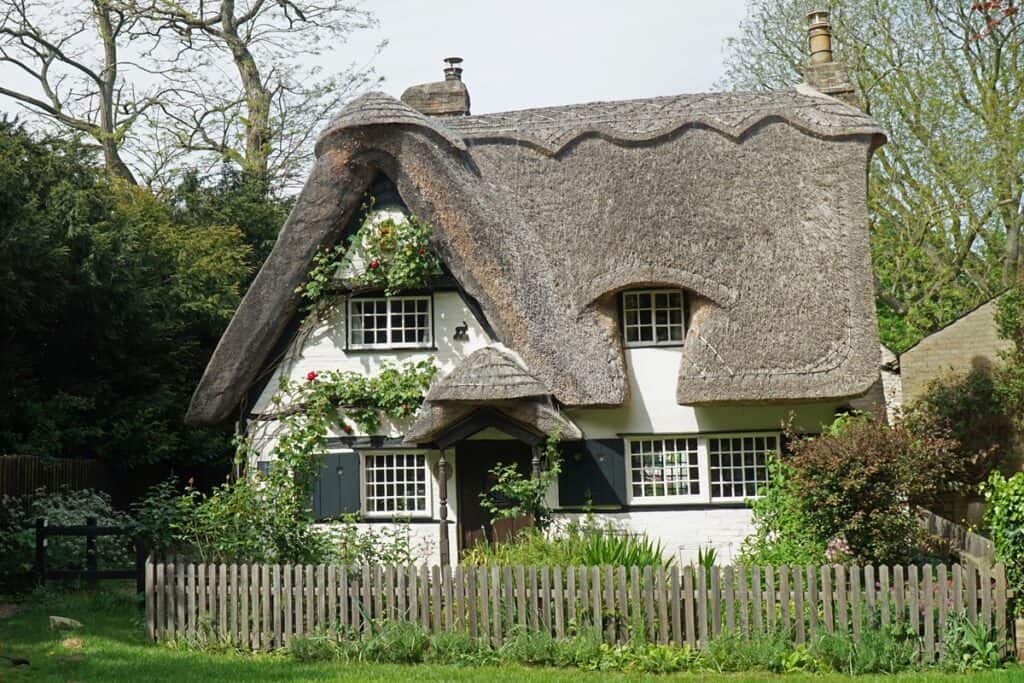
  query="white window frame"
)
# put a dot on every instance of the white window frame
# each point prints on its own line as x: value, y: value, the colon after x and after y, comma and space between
x: 426, y: 513
x: 702, y: 472
x: 389, y: 344
x: 653, y: 293
x: 703, y: 463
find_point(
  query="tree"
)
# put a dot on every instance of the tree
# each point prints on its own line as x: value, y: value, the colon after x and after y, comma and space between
x: 71, y: 54
x: 112, y: 303
x: 264, y: 115
x: 945, y: 194
x: 160, y: 84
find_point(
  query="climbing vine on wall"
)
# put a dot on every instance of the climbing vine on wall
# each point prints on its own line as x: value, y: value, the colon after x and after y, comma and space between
x: 393, y: 254
x: 308, y: 409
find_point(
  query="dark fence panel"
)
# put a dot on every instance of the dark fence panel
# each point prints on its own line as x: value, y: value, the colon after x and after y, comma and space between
x: 23, y: 474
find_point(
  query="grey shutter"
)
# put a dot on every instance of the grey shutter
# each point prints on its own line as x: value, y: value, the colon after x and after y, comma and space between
x: 593, y: 471
x: 337, y: 488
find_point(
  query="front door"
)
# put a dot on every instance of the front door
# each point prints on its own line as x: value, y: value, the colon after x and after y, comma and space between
x: 474, y: 461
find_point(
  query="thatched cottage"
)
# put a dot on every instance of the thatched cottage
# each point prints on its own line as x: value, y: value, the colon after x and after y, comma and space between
x: 660, y: 281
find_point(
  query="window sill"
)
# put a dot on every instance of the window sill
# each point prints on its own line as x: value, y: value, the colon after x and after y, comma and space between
x: 390, y: 349
x: 653, y: 345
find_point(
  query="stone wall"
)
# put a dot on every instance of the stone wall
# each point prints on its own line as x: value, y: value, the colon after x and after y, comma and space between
x: 969, y: 342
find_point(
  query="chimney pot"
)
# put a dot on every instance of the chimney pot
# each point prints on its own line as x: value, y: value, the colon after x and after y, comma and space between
x: 453, y: 72
x: 449, y: 97
x: 819, y: 33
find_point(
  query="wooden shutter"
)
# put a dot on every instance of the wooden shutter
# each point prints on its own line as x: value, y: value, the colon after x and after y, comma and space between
x: 336, y: 491
x: 593, y: 471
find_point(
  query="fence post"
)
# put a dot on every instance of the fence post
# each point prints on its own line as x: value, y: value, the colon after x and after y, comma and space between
x: 41, y: 543
x: 90, y: 551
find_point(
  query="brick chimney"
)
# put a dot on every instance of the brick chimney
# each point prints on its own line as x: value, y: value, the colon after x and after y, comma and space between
x: 823, y: 74
x: 449, y: 97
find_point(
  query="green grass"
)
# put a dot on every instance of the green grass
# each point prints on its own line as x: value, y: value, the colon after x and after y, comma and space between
x: 114, y: 649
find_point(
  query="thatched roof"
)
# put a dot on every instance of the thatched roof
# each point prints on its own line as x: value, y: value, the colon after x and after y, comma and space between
x: 485, y: 375
x: 755, y: 203
x: 537, y: 415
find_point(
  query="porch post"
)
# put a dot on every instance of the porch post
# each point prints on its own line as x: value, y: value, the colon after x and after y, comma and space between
x: 535, y: 463
x: 442, y: 477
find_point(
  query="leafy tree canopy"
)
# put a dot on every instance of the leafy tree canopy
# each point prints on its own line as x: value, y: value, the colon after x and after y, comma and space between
x: 113, y: 301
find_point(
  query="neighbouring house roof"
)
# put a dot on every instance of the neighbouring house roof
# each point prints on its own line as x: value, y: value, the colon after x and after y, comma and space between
x: 754, y: 203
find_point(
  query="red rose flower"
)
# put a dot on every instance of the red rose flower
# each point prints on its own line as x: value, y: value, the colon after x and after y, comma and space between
x: 311, y: 376
x: 374, y: 264
x: 345, y: 428
x: 422, y: 251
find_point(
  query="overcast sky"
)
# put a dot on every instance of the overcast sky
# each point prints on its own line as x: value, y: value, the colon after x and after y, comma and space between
x: 531, y: 53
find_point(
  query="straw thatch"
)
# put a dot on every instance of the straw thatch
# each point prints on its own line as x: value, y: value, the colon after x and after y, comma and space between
x: 485, y: 375
x: 538, y: 415
x: 754, y: 203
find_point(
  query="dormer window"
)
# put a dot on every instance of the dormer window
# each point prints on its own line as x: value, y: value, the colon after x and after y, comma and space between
x: 394, y: 322
x: 653, y: 317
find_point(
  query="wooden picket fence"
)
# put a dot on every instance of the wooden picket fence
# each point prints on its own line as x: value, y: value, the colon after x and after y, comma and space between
x: 263, y: 607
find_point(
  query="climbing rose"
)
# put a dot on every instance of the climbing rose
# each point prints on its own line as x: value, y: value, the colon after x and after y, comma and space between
x: 311, y: 376
x: 346, y: 429
x: 374, y: 264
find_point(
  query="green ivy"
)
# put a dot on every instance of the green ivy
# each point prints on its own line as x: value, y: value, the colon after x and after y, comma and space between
x: 1004, y: 517
x: 311, y: 407
x: 396, y: 255
x: 265, y: 517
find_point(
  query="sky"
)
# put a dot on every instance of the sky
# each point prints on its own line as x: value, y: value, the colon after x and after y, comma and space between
x: 532, y: 53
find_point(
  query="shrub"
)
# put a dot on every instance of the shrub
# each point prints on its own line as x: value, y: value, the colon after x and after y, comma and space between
x: 396, y: 642
x: 781, y: 532
x: 578, y: 542
x: 969, y: 647
x: 537, y: 648
x: 731, y: 652
x: 880, y: 650
x: 859, y: 480
x: 64, y: 508
x: 515, y: 495
x: 972, y: 411
x: 158, y: 514
x: 457, y: 647
x: 1004, y: 517
x: 315, y: 647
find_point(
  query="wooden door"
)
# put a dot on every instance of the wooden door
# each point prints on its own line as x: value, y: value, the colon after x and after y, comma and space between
x: 473, y: 462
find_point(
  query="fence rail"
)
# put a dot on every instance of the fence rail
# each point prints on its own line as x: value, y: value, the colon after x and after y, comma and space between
x: 263, y: 607
x: 90, y: 531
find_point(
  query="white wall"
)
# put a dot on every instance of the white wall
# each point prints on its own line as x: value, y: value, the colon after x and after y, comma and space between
x: 682, y: 532
x: 320, y: 345
x: 652, y: 409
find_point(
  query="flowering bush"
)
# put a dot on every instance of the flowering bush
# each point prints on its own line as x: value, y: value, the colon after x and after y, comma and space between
x: 396, y: 253
x: 850, y: 492
x: 860, y: 480
x: 63, y: 508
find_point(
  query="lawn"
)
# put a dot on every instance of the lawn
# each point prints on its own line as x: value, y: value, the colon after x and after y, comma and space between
x: 112, y: 647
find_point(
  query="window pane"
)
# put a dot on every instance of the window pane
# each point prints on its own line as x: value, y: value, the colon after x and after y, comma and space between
x: 653, y: 317
x: 388, y: 477
x: 664, y: 467
x: 740, y: 463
